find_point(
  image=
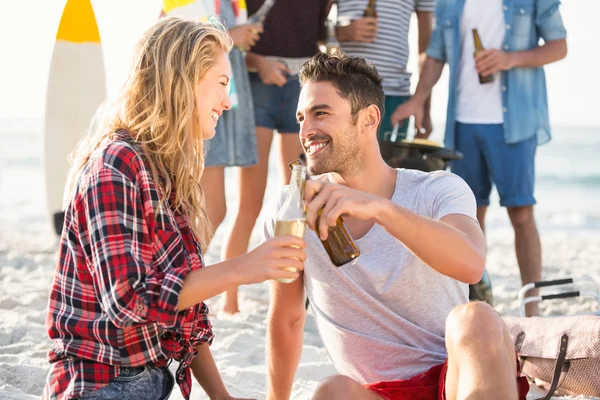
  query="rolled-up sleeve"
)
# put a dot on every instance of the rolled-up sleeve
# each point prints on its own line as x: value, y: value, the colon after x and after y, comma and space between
x: 549, y: 21
x: 138, y: 271
x: 436, y: 42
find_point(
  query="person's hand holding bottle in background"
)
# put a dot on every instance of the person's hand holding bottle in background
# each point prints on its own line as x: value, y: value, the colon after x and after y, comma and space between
x: 245, y: 36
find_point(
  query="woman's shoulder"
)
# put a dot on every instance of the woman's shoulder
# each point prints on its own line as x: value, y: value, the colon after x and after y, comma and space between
x: 124, y: 156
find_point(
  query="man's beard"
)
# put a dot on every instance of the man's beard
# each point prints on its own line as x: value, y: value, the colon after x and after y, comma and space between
x: 344, y: 155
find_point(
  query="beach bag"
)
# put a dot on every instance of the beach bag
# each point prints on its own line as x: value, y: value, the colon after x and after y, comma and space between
x: 561, y: 354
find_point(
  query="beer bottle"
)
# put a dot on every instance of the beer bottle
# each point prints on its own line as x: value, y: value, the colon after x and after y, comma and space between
x: 370, y: 10
x: 339, y: 245
x: 478, y: 49
x: 291, y: 218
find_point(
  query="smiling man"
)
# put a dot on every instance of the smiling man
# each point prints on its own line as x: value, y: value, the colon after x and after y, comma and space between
x: 396, y: 323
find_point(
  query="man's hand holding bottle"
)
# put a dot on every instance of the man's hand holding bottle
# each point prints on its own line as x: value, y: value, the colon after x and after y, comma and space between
x: 359, y: 30
x: 327, y: 201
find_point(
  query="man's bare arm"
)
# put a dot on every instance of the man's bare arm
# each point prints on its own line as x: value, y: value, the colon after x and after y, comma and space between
x: 453, y: 246
x: 285, y: 335
x: 432, y: 70
x: 493, y: 60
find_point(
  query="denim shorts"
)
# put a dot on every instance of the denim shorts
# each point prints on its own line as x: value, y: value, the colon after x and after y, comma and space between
x: 235, y: 141
x: 488, y: 159
x: 275, y: 107
x: 133, y: 383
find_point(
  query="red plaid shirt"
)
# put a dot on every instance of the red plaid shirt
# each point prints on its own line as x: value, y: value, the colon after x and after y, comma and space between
x: 122, y: 262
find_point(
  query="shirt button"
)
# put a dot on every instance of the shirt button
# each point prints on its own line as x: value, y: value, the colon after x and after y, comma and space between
x: 505, y: 8
x: 505, y: 47
x: 448, y: 22
x: 504, y: 88
x: 505, y: 109
x: 507, y: 27
x: 522, y: 11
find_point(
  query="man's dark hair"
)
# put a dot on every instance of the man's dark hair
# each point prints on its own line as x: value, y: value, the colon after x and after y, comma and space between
x: 354, y: 78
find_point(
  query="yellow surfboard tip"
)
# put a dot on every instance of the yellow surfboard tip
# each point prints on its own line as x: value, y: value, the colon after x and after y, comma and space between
x: 78, y: 23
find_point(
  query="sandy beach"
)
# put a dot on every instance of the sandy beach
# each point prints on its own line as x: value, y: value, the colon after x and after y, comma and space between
x: 27, y: 261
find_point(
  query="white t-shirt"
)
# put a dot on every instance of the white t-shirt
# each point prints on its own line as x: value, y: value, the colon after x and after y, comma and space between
x: 383, y: 317
x: 479, y: 103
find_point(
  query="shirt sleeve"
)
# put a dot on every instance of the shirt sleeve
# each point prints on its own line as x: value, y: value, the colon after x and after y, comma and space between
x: 447, y: 193
x: 549, y: 21
x: 436, y: 42
x: 425, y: 5
x: 138, y: 271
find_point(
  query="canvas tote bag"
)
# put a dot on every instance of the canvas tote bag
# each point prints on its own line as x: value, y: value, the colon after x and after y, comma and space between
x: 562, y: 354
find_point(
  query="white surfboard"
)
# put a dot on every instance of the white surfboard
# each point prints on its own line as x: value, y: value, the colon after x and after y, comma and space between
x: 76, y: 87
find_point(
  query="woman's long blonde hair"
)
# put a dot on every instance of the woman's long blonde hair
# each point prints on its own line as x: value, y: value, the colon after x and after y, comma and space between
x: 157, y: 107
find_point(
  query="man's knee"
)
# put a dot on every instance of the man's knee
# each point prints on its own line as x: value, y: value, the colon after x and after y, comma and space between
x: 334, y: 387
x: 474, y: 324
x: 521, y: 216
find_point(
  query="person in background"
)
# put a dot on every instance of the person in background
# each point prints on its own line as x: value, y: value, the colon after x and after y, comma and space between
x: 396, y: 322
x: 128, y: 291
x: 498, y: 107
x: 383, y: 40
x: 290, y: 38
x: 235, y: 141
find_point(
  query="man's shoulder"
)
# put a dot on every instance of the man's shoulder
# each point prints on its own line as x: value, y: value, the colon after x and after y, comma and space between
x: 417, y: 176
x: 428, y: 182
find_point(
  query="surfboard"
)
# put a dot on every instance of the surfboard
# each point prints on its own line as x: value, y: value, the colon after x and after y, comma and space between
x: 76, y: 87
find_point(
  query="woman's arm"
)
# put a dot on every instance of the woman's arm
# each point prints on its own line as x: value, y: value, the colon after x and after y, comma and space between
x: 206, y: 373
x: 263, y: 263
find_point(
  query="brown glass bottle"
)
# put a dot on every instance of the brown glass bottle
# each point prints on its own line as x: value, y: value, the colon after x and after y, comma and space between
x: 478, y: 49
x: 370, y: 10
x: 339, y: 245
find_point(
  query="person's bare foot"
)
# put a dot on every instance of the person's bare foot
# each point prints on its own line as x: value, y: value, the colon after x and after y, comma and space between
x: 230, y: 303
x: 228, y: 313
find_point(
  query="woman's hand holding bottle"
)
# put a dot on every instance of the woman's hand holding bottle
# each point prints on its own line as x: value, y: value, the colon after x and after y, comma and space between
x: 272, y: 260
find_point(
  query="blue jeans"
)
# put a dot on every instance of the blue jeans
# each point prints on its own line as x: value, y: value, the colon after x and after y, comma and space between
x: 133, y: 383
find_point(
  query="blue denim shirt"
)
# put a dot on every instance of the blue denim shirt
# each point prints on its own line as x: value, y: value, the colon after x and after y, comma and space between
x: 524, y: 97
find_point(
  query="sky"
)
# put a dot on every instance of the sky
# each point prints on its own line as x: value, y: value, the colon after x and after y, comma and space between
x: 28, y: 30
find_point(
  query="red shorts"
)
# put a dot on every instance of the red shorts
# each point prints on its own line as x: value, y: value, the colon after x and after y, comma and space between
x: 430, y: 385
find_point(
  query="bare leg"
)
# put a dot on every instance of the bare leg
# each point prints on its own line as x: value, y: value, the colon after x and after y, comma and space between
x: 342, y: 387
x: 213, y: 185
x: 289, y: 150
x: 252, y: 182
x: 481, y: 210
x: 481, y: 358
x: 528, y: 248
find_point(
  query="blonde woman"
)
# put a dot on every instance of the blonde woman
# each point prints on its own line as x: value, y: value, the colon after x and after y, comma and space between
x: 127, y: 297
